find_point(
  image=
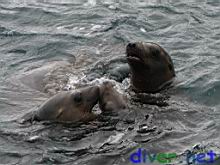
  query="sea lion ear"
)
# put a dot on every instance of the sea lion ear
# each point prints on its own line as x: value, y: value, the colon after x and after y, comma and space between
x: 77, y: 97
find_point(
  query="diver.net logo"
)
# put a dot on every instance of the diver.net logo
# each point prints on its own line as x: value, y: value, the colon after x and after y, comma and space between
x: 143, y: 156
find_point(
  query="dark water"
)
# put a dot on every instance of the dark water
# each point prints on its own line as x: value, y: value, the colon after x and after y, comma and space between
x: 46, y: 45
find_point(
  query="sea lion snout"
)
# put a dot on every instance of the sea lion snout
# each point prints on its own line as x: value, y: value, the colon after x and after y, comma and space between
x: 135, y: 54
x: 131, y: 45
x: 130, y: 48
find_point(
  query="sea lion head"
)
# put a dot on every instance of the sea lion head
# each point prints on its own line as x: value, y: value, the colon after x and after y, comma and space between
x: 110, y: 99
x: 151, y: 66
x: 68, y: 106
x: 85, y: 99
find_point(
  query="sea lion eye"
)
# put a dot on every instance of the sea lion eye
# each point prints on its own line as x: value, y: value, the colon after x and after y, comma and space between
x: 77, y: 97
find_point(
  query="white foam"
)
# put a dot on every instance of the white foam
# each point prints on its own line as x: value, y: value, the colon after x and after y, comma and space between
x: 90, y: 3
x: 108, y: 2
x: 60, y: 27
x: 74, y: 81
x: 95, y: 27
x: 75, y: 28
x: 114, y: 139
x: 97, y: 51
x: 33, y: 138
x: 82, y: 28
x: 143, y: 30
x: 77, y: 81
x: 112, y: 7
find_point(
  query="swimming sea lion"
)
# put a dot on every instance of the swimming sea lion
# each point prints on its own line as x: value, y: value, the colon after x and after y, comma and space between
x: 110, y: 99
x: 151, y: 67
x: 69, y: 106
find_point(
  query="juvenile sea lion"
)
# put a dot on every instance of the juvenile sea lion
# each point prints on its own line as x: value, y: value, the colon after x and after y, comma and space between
x: 151, y: 67
x: 110, y: 99
x: 69, y: 106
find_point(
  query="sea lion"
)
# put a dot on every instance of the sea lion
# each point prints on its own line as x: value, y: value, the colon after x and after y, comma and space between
x: 68, y: 106
x: 110, y: 99
x: 151, y: 67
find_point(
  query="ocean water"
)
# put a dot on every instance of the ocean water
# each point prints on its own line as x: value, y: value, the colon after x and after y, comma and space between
x: 47, y: 45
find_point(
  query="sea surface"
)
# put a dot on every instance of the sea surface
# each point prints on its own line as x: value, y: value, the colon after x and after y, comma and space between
x: 46, y: 46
